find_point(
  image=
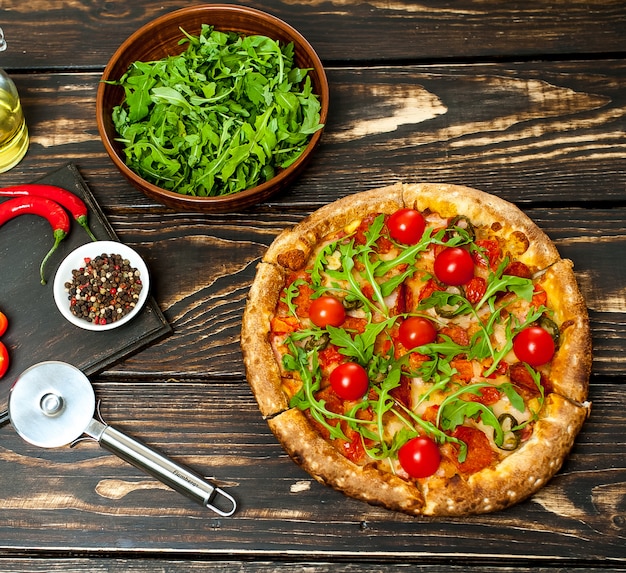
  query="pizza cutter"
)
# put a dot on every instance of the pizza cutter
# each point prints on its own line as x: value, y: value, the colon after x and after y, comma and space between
x: 52, y: 404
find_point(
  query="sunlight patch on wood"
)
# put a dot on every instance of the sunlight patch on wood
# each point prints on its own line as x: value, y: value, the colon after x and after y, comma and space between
x: 553, y: 500
x: 387, y: 6
x: 40, y: 5
x: 610, y: 499
x: 62, y: 132
x: 545, y: 102
x: 542, y: 111
x: 603, y: 300
x: 398, y: 105
x: 564, y: 147
x: 50, y: 501
x: 615, y: 302
x: 299, y: 486
x: 118, y: 489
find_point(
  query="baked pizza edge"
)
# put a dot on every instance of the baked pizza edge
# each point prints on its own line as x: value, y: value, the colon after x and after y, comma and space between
x: 331, y: 217
x: 571, y: 365
x: 262, y: 371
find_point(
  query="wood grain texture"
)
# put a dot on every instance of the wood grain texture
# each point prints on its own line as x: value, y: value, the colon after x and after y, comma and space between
x: 155, y: 565
x: 525, y: 100
x: 378, y: 31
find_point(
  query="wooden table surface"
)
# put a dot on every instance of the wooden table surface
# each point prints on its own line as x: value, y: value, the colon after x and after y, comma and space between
x: 526, y: 100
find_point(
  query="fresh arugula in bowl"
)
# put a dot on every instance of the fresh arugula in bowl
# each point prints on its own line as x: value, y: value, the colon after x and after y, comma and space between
x: 223, y: 116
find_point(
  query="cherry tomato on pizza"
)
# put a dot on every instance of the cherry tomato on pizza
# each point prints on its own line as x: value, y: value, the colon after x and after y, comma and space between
x: 349, y: 381
x: 416, y: 331
x: 534, y: 345
x: 419, y: 457
x: 4, y: 359
x: 327, y: 310
x: 4, y: 323
x: 454, y: 266
x: 406, y: 226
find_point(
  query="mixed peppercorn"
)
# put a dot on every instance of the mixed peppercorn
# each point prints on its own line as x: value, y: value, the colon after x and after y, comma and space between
x: 104, y: 290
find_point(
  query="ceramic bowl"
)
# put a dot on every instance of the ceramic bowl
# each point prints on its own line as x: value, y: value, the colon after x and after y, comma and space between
x: 76, y: 260
x: 160, y: 38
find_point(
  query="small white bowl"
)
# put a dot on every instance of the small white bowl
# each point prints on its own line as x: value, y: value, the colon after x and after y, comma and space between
x: 76, y: 260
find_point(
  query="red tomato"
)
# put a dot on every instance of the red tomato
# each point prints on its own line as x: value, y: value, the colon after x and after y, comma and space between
x: 518, y: 269
x: 4, y: 323
x: 419, y: 457
x: 349, y: 381
x: 327, y: 310
x: 454, y: 266
x: 406, y: 226
x: 4, y: 360
x: 534, y: 345
x: 540, y: 297
x: 475, y: 289
x: 489, y: 254
x: 416, y: 331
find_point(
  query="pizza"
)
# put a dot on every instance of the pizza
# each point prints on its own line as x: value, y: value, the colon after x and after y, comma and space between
x: 422, y: 347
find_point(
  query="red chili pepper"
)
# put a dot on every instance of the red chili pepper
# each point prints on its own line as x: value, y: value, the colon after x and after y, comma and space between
x: 4, y: 359
x: 53, y: 212
x: 71, y: 202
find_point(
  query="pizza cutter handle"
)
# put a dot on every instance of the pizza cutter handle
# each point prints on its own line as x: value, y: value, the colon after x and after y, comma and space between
x: 180, y: 478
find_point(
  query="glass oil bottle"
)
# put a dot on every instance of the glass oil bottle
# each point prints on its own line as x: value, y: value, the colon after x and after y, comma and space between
x: 13, y: 131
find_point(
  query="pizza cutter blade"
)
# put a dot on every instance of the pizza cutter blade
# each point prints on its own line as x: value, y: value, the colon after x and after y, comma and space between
x: 52, y: 404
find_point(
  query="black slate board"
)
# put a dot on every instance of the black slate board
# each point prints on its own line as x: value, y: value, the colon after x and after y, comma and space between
x: 37, y: 331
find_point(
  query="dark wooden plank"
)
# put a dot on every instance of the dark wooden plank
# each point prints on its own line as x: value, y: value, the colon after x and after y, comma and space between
x: 87, y: 499
x: 85, y: 34
x: 544, y: 130
x: 98, y: 565
x: 548, y: 133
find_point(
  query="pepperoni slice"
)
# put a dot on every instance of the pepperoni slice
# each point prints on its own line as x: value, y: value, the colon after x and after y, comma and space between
x: 479, y: 452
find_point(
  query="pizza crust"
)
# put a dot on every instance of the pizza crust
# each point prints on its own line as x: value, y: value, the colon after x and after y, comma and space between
x: 571, y: 366
x: 262, y: 370
x: 331, y: 218
x: 514, y: 479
